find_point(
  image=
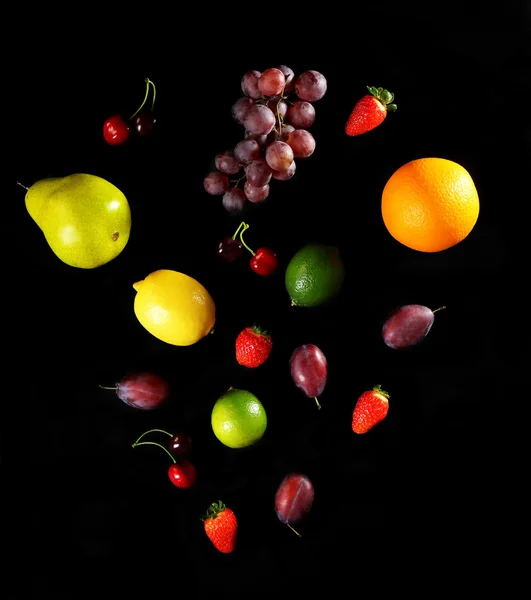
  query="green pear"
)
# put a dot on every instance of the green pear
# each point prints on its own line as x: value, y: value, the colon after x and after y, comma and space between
x: 85, y: 219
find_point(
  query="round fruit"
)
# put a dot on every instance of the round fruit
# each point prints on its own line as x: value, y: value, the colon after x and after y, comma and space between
x: 238, y: 418
x: 430, y: 204
x: 314, y: 275
x: 174, y: 307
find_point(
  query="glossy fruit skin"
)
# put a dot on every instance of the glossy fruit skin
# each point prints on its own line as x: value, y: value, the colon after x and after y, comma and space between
x: 366, y: 115
x: 143, y: 390
x: 264, y: 262
x: 294, y: 498
x: 221, y: 527
x: 174, y: 307
x: 253, y: 347
x: 238, y: 418
x: 371, y: 408
x: 229, y: 249
x: 145, y: 123
x: 309, y: 370
x: 407, y: 326
x: 182, y: 474
x: 430, y: 204
x: 314, y: 275
x: 180, y: 445
x: 115, y: 130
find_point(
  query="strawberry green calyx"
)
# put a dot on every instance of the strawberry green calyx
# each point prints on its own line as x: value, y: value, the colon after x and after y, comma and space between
x: 378, y: 388
x: 259, y: 331
x: 385, y: 97
x: 213, y: 510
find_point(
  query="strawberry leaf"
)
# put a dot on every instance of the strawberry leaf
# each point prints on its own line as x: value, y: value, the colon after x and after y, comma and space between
x: 386, y: 97
x: 391, y: 107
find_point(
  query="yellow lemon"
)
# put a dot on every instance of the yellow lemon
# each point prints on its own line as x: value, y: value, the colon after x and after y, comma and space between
x: 174, y: 307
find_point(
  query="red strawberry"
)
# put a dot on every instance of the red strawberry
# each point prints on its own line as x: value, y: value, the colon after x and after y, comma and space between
x: 253, y: 347
x: 221, y: 526
x: 371, y: 408
x: 370, y: 111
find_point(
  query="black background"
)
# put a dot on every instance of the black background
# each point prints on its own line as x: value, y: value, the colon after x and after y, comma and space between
x: 426, y: 477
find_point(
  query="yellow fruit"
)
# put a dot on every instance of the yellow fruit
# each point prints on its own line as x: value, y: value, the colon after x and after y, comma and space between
x: 85, y: 219
x: 174, y: 307
x: 430, y: 204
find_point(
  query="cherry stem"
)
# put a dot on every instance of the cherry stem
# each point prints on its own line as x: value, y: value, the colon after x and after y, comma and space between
x: 242, y: 224
x: 317, y: 402
x: 107, y: 388
x: 148, y: 82
x: 151, y: 431
x: 294, y: 531
x: 154, y: 444
x: 246, y: 246
x: 440, y: 308
x: 22, y: 185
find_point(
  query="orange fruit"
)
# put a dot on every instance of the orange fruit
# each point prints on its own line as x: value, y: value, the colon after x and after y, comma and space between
x: 430, y: 204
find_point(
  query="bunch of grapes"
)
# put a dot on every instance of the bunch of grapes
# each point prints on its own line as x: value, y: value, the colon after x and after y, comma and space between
x: 276, y: 111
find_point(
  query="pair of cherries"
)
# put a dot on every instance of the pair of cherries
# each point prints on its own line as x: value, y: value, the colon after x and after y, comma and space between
x: 182, y: 473
x: 116, y: 130
x: 264, y: 261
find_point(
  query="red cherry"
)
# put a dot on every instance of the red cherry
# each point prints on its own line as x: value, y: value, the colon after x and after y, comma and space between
x: 264, y: 262
x: 182, y: 474
x: 115, y: 130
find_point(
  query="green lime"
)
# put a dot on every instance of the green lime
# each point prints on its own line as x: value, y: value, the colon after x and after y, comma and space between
x: 238, y: 418
x: 314, y: 275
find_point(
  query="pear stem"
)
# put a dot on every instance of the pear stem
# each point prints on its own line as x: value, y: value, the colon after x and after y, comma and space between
x: 148, y: 82
x: 440, y: 308
x: 154, y: 444
x: 246, y: 246
x: 22, y: 185
x: 294, y: 531
x: 317, y: 402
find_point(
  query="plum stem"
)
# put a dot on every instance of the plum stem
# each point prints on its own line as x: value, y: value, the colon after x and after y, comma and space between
x: 107, y: 388
x: 440, y: 308
x: 242, y: 224
x: 151, y: 431
x: 135, y: 444
x: 294, y: 531
x: 148, y: 82
x: 246, y: 246
x: 317, y: 402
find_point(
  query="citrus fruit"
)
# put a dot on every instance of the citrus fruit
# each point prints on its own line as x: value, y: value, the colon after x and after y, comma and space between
x: 430, y: 204
x: 314, y: 274
x: 174, y: 307
x: 238, y: 418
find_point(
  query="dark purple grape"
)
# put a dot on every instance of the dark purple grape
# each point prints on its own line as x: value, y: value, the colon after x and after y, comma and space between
x: 216, y: 183
x: 285, y: 131
x: 301, y: 142
x: 294, y: 498
x: 226, y: 162
x: 230, y: 249
x: 246, y: 151
x: 258, y: 172
x: 240, y: 108
x: 259, y: 119
x: 287, y: 174
x: 309, y: 370
x: 289, y: 76
x: 180, y: 445
x: 234, y: 200
x: 301, y: 114
x: 408, y: 326
x: 310, y: 86
x: 256, y: 194
x: 145, y: 123
x: 249, y: 84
